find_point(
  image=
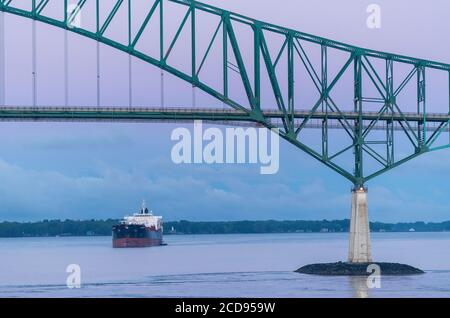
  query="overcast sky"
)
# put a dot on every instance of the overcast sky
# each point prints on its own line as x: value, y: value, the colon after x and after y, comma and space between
x: 92, y: 170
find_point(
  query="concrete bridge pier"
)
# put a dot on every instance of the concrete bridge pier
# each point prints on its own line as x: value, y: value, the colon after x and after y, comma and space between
x: 360, y: 249
x: 360, y: 253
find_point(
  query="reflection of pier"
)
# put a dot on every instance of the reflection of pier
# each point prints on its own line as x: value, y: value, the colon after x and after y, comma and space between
x: 359, y: 286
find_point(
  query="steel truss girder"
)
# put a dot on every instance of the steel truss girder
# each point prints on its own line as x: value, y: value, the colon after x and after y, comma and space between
x: 414, y: 127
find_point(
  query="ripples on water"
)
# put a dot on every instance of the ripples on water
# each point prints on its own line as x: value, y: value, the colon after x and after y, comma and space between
x: 218, y: 266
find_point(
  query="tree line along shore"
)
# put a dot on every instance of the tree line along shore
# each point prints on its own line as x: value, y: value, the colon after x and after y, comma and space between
x: 52, y: 228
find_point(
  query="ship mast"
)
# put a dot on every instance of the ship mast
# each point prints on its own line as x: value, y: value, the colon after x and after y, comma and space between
x: 143, y: 207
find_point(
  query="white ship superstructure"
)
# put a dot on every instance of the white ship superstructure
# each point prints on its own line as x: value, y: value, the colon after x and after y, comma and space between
x: 145, y: 217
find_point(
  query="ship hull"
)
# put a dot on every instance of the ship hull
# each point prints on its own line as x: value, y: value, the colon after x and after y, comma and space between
x: 135, y: 242
x: 128, y: 236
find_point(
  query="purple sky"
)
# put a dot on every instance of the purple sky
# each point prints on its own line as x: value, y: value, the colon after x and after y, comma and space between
x: 103, y: 170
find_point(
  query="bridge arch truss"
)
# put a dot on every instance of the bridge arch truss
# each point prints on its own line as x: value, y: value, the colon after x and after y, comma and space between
x: 280, y: 62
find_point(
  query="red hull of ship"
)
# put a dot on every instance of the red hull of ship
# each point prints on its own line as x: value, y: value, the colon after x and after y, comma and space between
x: 136, y: 242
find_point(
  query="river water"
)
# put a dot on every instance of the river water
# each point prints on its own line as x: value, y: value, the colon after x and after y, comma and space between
x: 260, y: 265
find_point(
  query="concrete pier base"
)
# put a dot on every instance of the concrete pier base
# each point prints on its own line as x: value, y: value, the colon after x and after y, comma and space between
x: 359, y: 254
x: 360, y: 249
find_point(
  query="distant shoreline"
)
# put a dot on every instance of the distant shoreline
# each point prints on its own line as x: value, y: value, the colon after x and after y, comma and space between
x: 82, y: 228
x: 200, y: 234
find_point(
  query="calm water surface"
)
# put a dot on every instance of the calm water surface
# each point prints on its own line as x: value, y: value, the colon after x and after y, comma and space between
x: 259, y: 265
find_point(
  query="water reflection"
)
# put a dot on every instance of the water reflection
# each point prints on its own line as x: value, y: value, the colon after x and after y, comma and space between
x: 230, y: 265
x: 359, y: 286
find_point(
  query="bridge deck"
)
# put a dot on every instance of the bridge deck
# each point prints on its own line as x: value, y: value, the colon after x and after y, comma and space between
x: 151, y: 114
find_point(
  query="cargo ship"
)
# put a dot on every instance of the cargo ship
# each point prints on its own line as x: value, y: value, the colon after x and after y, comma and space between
x: 141, y: 229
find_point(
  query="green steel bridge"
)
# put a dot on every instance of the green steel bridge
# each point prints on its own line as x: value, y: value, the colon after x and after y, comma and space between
x: 270, y: 67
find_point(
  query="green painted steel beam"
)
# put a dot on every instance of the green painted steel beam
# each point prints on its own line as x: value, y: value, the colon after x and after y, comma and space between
x: 118, y: 114
x: 24, y: 111
x: 319, y: 40
x: 111, y: 16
